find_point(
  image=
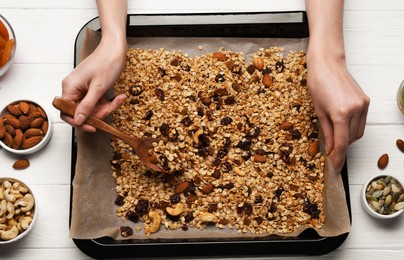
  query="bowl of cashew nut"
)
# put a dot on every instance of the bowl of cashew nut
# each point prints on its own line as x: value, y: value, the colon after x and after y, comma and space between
x: 17, y: 210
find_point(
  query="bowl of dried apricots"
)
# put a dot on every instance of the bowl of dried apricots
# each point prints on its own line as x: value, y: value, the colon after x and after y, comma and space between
x: 7, y: 45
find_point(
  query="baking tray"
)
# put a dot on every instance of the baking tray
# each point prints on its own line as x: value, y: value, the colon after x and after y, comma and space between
x: 252, y: 25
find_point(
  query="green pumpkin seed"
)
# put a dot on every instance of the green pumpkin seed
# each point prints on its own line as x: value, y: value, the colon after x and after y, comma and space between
x: 377, y: 194
x: 375, y: 205
x: 386, y: 191
x: 387, y: 179
x: 396, y: 196
x: 370, y: 198
x: 388, y: 200
x: 401, y: 198
x: 399, y: 206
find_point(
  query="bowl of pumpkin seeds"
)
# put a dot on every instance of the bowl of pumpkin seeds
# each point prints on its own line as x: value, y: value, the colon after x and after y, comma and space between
x: 383, y: 197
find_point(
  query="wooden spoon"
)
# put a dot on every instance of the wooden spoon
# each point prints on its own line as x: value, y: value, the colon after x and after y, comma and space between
x: 140, y: 145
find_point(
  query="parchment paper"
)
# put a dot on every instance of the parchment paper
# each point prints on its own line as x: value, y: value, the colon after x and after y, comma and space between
x: 93, y: 209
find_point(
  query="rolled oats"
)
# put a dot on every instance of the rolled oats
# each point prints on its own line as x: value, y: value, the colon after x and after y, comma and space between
x: 234, y: 141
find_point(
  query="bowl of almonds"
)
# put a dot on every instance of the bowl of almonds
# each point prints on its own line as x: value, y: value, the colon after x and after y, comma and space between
x: 25, y: 127
x: 383, y: 197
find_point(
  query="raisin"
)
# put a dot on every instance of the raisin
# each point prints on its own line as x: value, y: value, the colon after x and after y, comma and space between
x: 220, y: 92
x: 148, y: 115
x: 186, y: 121
x: 236, y: 86
x: 295, y: 134
x: 142, y: 207
x: 189, y: 217
x: 258, y: 199
x: 228, y: 186
x: 230, y: 100
x: 222, y: 152
x: 204, y: 140
x: 216, y: 174
x: 159, y: 93
x: 174, y: 62
x: 200, y: 112
x: 132, y: 216
x: 174, y: 199
x: 226, y: 167
x: 278, y: 192
x: 226, y: 121
x: 251, y: 69
x: 311, y: 209
x: 247, y: 208
x: 134, y: 101
x: 164, y: 129
x: 244, y: 144
x: 279, y: 66
x: 126, y: 231
x: 120, y: 200
x: 203, y: 152
x: 161, y: 72
x: 266, y: 71
x: 212, y: 207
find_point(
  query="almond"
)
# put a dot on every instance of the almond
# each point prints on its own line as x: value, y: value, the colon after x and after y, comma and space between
x: 21, y: 164
x: 32, y: 108
x: 286, y: 125
x: 400, y: 144
x: 33, y: 132
x: 26, y: 121
x: 259, y: 158
x: 208, y: 188
x: 14, y: 110
x: 314, y: 148
x: 37, y: 122
x: 383, y: 161
x: 14, y: 122
x: 24, y: 107
x: 31, y: 142
x: 219, y: 56
x: 180, y: 188
x: 2, y: 131
x: 258, y: 63
x: 1, y: 121
x: 44, y: 127
x: 267, y: 80
x: 42, y: 112
x: 17, y: 139
x: 8, y: 139
x: 10, y: 129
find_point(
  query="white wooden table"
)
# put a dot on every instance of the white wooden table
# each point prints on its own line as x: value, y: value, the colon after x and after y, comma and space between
x: 46, y: 30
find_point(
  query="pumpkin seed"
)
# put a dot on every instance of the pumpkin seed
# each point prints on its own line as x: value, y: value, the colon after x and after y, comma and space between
x: 399, y: 206
x: 387, y: 179
x: 388, y: 200
x: 377, y: 194
x: 386, y: 191
x: 401, y: 198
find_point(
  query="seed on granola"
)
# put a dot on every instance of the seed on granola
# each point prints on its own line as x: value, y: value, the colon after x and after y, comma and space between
x: 226, y: 167
x: 251, y: 69
x: 279, y: 66
x: 126, y: 231
x: 148, y: 115
x: 120, y: 200
x: 142, y: 207
x: 186, y: 121
x: 136, y: 90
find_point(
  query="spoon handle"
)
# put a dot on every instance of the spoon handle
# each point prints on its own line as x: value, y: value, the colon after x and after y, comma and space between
x: 69, y: 108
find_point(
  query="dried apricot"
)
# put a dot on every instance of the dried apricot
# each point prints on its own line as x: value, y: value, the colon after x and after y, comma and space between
x: 4, y: 31
x: 7, y: 52
x: 2, y: 43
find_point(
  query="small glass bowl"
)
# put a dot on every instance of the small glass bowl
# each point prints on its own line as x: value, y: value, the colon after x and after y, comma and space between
x: 45, y: 137
x: 11, y: 34
x: 367, y: 205
x: 32, y: 213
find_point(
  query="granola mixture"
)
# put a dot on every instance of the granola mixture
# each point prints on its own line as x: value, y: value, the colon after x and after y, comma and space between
x: 238, y: 141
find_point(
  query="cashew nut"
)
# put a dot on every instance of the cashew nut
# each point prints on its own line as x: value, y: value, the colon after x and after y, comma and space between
x: 3, y: 219
x: 21, y: 203
x: 9, y: 233
x: 3, y: 205
x: 208, y: 217
x: 19, y: 188
x: 196, y: 135
x: 179, y: 208
x: 25, y: 221
x: 12, y: 222
x: 1, y: 192
x: 3, y: 226
x: 10, y: 210
x: 6, y: 184
x: 155, y: 222
x: 9, y: 197
x: 238, y: 171
x: 30, y: 203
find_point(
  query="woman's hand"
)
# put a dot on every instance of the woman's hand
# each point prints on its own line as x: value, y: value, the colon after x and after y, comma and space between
x: 87, y: 84
x: 90, y: 80
x: 340, y: 104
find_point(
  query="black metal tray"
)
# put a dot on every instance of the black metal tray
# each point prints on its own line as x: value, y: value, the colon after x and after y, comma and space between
x: 253, y: 25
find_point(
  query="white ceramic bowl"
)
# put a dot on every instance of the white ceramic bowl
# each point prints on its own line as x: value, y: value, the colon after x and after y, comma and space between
x: 366, y: 205
x: 33, y: 212
x: 5, y: 67
x: 38, y: 146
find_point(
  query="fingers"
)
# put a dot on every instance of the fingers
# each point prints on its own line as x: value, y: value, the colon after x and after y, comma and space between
x: 108, y: 107
x: 86, y: 106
